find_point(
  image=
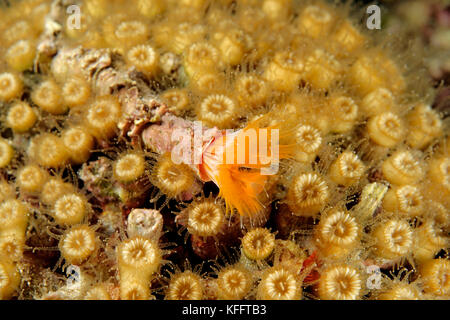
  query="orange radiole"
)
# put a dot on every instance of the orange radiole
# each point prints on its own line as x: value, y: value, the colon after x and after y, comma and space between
x: 240, y: 162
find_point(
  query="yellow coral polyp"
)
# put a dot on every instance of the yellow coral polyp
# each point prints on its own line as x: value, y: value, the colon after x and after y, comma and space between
x: 279, y: 283
x: 144, y: 58
x: 103, y: 115
x: 11, y: 86
x: 309, y: 140
x: 20, y: 55
x: 205, y: 84
x: 197, y: 4
x: 322, y: 69
x: 348, y: 37
x: 364, y: 76
x: 307, y: 195
x: 130, y: 33
x: 345, y: 111
x: 430, y: 238
x: 75, y: 92
x: 12, y: 244
x: 129, y: 167
x: 386, y: 129
x: 276, y: 10
x: 140, y: 257
x: 315, y: 21
x: 200, y: 58
x: 6, y: 153
x: 439, y: 173
x: 394, y: 239
x: 134, y: 290
x: 378, y: 101
x: 436, y: 276
x: 70, y: 209
x: 6, y: 190
x: 347, y: 169
x: 13, y: 215
x: 285, y: 71
x: 252, y: 91
x: 98, y: 292
x: 150, y: 8
x: 18, y: 31
x: 31, y: 178
x: 232, y: 46
x: 425, y: 125
x: 79, y: 143
x: 405, y: 200
x: 97, y: 8
x: 178, y: 40
x: 340, y: 282
x: 185, y: 286
x: 258, y: 244
x: 402, y: 168
x: 21, y: 117
x: 50, y: 151
x: 337, y: 234
x: 177, y: 100
x: 54, y: 189
x: 217, y: 111
x: 234, y: 283
x: 77, y: 244
x: 172, y: 179
x: 400, y: 291
x: 206, y: 218
x: 48, y: 96
x: 9, y: 279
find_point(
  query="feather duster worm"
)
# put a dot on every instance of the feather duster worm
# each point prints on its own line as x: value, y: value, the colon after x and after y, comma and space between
x: 240, y: 162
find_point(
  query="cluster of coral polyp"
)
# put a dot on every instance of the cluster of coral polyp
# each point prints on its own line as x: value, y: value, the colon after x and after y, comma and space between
x: 94, y: 207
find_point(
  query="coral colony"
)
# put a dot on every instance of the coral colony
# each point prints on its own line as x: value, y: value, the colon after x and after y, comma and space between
x: 194, y: 149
